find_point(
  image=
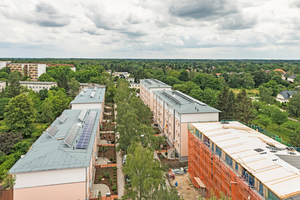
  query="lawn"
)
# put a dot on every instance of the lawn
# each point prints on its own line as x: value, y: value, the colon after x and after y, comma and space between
x: 250, y: 93
x: 273, y: 128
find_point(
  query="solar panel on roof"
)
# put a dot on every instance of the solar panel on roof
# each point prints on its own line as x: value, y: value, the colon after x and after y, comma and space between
x: 70, y: 137
x: 87, y: 131
x: 93, y: 94
x: 81, y: 93
x: 82, y: 115
x: 63, y: 118
x: 95, y: 89
x: 52, y: 130
x: 84, y: 89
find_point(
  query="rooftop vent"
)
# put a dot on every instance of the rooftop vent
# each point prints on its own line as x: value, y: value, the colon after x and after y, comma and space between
x: 224, y: 122
x: 258, y: 150
x: 263, y: 153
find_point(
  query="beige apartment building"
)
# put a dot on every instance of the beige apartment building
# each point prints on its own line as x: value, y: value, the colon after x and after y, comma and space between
x: 173, y: 110
x: 33, y: 70
x: 147, y: 86
x: 37, y: 86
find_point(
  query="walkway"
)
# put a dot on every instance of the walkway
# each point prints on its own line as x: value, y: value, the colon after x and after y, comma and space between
x: 293, y: 119
x: 104, y: 189
x: 120, y: 174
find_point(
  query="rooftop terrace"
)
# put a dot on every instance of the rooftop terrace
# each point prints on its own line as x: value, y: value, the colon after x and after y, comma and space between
x: 90, y: 95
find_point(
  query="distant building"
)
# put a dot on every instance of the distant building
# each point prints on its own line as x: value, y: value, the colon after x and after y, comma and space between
x: 4, y: 64
x: 291, y: 78
x: 2, y: 85
x: 61, y: 163
x: 33, y: 70
x: 125, y: 74
x: 37, y: 86
x: 72, y: 67
x: 134, y: 85
x: 130, y: 80
x: 284, y: 96
x: 90, y: 85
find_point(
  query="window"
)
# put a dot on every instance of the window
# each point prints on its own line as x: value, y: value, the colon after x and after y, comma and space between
x: 218, y: 151
x: 236, y: 166
x: 197, y: 133
x: 272, y: 196
x: 213, y: 146
x: 228, y: 160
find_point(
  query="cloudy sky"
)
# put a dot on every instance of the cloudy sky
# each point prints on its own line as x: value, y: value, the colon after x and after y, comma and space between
x: 192, y: 29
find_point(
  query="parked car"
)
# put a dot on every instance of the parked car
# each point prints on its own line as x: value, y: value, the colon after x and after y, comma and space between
x: 127, y: 180
x: 124, y: 159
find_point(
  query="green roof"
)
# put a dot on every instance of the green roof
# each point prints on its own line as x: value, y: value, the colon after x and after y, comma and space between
x: 154, y: 83
x: 86, y: 97
x: 49, y: 153
x: 183, y: 103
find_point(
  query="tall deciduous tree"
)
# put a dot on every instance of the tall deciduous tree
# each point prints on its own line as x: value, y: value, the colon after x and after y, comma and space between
x: 20, y: 114
x: 265, y: 121
x: 294, y: 104
x: 46, y: 77
x: 183, y: 76
x: 74, y: 87
x: 245, y: 109
x: 265, y: 94
x: 3, y: 103
x: 145, y: 172
x: 63, y: 82
x: 14, y: 87
x: 8, y: 140
x: 122, y: 92
x: 47, y: 112
x: 279, y: 117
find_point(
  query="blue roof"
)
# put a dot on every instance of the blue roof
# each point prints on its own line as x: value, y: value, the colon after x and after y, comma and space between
x: 49, y: 153
x: 86, y: 97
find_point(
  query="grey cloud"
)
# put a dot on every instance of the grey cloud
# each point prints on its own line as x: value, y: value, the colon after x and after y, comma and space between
x: 237, y: 22
x: 203, y: 9
x: 296, y: 3
x: 134, y: 33
x: 45, y: 8
x: 133, y: 19
x: 90, y: 31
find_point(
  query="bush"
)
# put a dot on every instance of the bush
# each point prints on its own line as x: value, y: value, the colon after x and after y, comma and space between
x: 100, y: 178
x: 162, y: 157
x: 114, y: 188
x: 115, y: 180
x: 114, y: 168
x: 106, y: 174
x: 110, y: 180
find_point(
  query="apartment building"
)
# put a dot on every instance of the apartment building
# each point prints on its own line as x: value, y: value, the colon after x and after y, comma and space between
x: 173, y: 110
x: 242, y: 163
x: 4, y: 64
x: 60, y: 164
x: 125, y: 74
x: 2, y: 85
x: 130, y: 80
x: 147, y: 86
x: 134, y: 85
x: 37, y: 86
x: 90, y: 98
x: 90, y: 85
x: 33, y: 70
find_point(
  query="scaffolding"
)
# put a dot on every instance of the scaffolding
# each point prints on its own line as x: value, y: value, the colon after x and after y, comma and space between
x: 216, y: 176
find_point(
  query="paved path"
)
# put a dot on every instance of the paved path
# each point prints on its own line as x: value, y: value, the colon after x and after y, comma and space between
x: 99, y: 187
x: 120, y: 174
x: 293, y: 119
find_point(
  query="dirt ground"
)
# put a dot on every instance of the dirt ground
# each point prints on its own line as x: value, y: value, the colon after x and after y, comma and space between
x: 185, y: 187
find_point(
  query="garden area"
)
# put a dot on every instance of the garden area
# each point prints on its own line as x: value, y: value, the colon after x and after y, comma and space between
x: 107, y: 176
x: 108, y: 136
x: 108, y: 152
x: 108, y: 126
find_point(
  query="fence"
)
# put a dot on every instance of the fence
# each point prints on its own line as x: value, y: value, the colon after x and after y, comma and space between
x: 267, y: 133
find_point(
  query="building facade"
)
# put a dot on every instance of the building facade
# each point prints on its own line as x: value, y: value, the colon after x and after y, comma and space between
x: 134, y: 85
x: 2, y: 85
x: 147, y: 86
x: 37, y: 86
x: 33, y: 70
x: 173, y: 110
x: 60, y: 164
x: 242, y: 163
x: 284, y: 96
x: 4, y: 64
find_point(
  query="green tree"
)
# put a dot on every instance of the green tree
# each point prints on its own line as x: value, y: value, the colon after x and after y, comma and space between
x: 279, y: 117
x: 74, y: 87
x: 20, y: 114
x: 294, y: 104
x: 62, y: 82
x: 265, y: 94
x: 244, y: 107
x: 186, y: 87
x: 8, y: 140
x: 265, y: 121
x: 142, y: 111
x: 14, y: 88
x: 183, y: 76
x: 208, y: 96
x: 46, y: 77
x: 47, y: 112
x: 8, y: 180
x: 221, y: 101
x: 295, y: 138
x: 122, y: 92
x: 145, y: 172
x: 35, y: 98
x: 3, y: 103
x: 4, y: 76
x: 230, y: 106
x: 248, y: 81
x: 58, y: 100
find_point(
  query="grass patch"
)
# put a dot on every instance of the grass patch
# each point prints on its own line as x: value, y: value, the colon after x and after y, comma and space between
x: 250, y: 93
x: 273, y: 128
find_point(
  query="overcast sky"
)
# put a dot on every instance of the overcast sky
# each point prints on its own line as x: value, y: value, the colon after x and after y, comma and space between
x: 192, y: 29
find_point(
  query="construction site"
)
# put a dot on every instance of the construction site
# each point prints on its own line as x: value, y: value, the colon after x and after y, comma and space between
x: 241, y: 163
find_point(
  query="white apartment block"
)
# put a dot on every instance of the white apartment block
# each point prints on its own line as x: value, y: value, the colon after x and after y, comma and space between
x: 147, y: 86
x: 4, y: 64
x: 173, y: 110
x: 37, y: 86
x: 2, y: 85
